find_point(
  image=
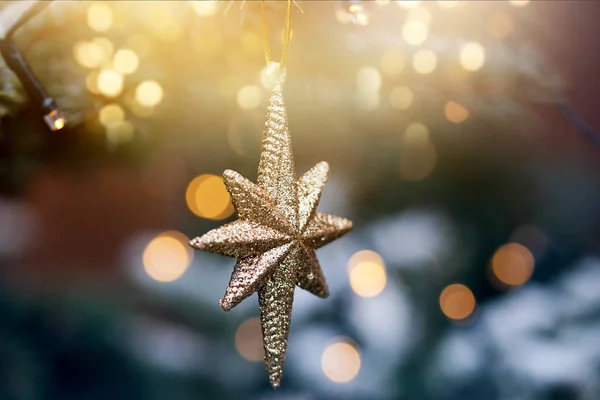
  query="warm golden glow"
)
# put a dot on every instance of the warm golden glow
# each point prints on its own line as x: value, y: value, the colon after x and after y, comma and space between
x: 110, y: 82
x: 393, y: 62
x: 207, y: 197
x: 501, y: 25
x: 268, y: 75
x: 472, y: 56
x: 457, y: 301
x: 205, y: 8
x: 359, y: 15
x: 424, y: 61
x: 91, y: 82
x: 59, y: 123
x: 248, y: 340
x: 111, y: 113
x: 408, y: 4
x: 120, y: 132
x: 513, y: 264
x: 519, y: 3
x: 141, y: 110
x: 367, y: 273
x: 167, y: 256
x: 106, y: 46
x: 149, y: 93
x: 416, y: 134
x: 248, y: 97
x: 401, y: 98
x: 368, y: 80
x: 419, y: 14
x: 455, y: 112
x: 99, y: 16
x: 126, y: 61
x: 448, y: 3
x: 88, y: 54
x: 340, y: 361
x: 415, y: 32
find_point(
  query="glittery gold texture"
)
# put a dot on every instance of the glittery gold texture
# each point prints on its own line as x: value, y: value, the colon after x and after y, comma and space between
x: 276, y: 235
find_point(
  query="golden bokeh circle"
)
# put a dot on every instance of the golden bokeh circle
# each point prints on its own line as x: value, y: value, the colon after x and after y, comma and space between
x: 513, y: 264
x: 341, y: 361
x: 457, y: 301
x: 207, y: 197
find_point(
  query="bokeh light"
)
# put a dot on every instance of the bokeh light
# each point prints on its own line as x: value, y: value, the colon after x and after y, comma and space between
x: 408, y: 4
x: 513, y: 264
x: 519, y: 3
x: 472, y: 56
x: 455, y: 112
x: 207, y: 197
x: 91, y: 82
x: 110, y: 82
x: 368, y: 80
x: 167, y: 256
x: 88, y: 54
x: 248, y: 340
x: 205, y: 8
x: 125, y: 61
x: 415, y: 32
x: 367, y: 273
x: 248, y: 97
x: 358, y: 15
x: 401, y: 98
x: 393, y: 62
x: 457, y: 301
x: 416, y: 134
x: 424, y: 61
x: 420, y: 14
x: 448, y: 3
x: 111, y: 113
x: 120, y: 132
x: 99, y: 16
x: 341, y: 361
x: 149, y: 93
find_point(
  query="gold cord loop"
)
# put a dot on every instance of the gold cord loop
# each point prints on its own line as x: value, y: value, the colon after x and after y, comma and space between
x: 287, y: 34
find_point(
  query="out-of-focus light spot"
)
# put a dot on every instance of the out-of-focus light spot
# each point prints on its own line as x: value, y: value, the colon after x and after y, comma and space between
x: 207, y: 197
x: 418, y: 156
x: 126, y: 61
x: 248, y: 340
x: 457, y: 301
x: 368, y: 80
x: 139, y: 44
x: 205, y: 8
x: 59, y: 123
x: 408, y: 4
x: 91, y: 82
x: 424, y: 62
x: 251, y: 43
x: 343, y: 16
x: 167, y: 256
x: 99, y: 16
x: 141, y: 110
x: 106, y: 45
x: 110, y: 82
x: 455, y: 112
x: 519, y: 3
x: 448, y: 3
x: 248, y: 97
x: 89, y: 54
x: 382, y: 2
x: 414, y: 32
x: 393, y: 62
x: 501, y: 25
x: 119, y: 132
x: 472, y: 56
x: 149, y: 93
x: 513, y: 264
x: 340, y: 361
x: 269, y: 75
x: 419, y: 14
x: 111, y: 113
x: 368, y: 100
x: 358, y: 14
x: 401, y: 97
x: 367, y: 273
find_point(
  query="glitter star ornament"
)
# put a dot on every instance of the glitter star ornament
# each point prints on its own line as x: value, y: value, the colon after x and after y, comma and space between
x: 276, y: 235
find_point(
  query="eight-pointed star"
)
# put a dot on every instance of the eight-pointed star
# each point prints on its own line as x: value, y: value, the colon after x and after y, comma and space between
x: 276, y: 235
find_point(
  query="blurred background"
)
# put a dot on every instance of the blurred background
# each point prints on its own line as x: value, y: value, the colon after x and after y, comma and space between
x: 456, y: 138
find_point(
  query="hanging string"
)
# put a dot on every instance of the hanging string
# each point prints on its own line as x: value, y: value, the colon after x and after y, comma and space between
x: 287, y: 34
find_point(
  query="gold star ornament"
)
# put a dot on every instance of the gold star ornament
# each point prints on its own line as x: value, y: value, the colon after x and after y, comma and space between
x: 276, y: 235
